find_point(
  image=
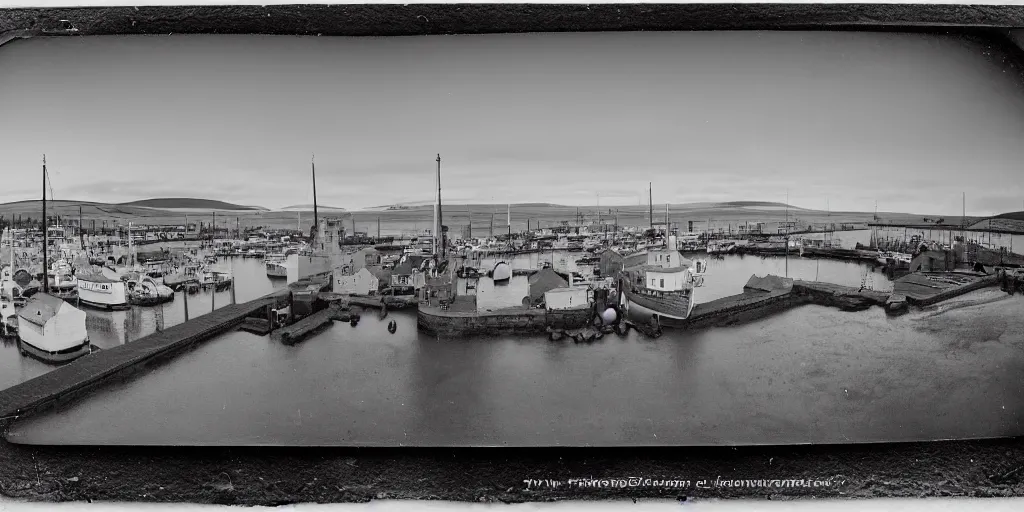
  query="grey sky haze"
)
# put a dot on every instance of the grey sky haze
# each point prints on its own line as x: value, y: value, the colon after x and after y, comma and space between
x: 910, y: 121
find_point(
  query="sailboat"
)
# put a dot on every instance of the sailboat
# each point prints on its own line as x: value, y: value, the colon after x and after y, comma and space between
x: 49, y: 328
x: 662, y: 290
x: 315, y: 261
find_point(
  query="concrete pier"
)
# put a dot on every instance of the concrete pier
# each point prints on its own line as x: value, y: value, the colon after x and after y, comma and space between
x: 74, y: 379
x: 304, y: 328
x: 79, y: 377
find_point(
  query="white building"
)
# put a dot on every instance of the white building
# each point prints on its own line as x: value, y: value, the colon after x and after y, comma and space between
x: 362, y: 282
x: 568, y: 298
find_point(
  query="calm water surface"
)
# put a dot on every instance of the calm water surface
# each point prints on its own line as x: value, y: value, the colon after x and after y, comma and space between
x: 809, y: 375
x: 112, y: 328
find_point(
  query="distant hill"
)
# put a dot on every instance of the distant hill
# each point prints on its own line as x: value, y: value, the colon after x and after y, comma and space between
x: 189, y: 203
x: 309, y: 208
x: 758, y: 204
x: 1011, y: 216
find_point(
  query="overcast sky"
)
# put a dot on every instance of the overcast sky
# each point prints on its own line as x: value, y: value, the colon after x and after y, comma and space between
x: 910, y: 121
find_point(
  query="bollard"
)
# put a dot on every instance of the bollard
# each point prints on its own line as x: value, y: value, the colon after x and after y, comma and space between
x: 184, y: 294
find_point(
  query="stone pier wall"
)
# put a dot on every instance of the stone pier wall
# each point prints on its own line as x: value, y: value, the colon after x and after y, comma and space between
x: 507, y: 321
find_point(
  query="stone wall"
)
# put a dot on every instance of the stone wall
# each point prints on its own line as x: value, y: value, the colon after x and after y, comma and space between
x: 507, y: 321
x: 742, y: 310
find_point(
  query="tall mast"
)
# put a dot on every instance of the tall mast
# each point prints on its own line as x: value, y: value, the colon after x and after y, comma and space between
x: 316, y: 215
x: 668, y: 225
x: 436, y: 230
x: 46, y: 263
x: 440, y: 216
x: 650, y: 201
x: 81, y: 234
x: 508, y: 220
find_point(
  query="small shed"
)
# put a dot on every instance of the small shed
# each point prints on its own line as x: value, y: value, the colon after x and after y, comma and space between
x: 934, y: 261
x: 567, y: 298
x: 544, y: 281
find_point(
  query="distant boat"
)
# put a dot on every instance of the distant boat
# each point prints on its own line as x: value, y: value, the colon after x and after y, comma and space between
x: 276, y: 266
x: 10, y: 299
x: 146, y: 291
x: 502, y: 273
x: 101, y: 292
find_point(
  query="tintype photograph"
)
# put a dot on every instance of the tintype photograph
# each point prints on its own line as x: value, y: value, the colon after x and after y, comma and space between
x: 704, y: 239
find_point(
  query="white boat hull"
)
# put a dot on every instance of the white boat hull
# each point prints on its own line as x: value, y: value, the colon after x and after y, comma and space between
x: 61, y: 356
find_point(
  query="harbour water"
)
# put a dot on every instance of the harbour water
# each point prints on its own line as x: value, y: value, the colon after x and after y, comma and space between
x: 809, y: 375
x: 726, y: 276
x: 109, y: 329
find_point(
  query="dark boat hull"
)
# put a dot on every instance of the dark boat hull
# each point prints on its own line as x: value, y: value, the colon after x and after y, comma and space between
x: 671, y: 310
x: 62, y: 356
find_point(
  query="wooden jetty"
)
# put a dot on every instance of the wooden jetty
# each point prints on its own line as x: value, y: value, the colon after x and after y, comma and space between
x: 304, y: 328
x: 72, y: 380
x: 927, y: 288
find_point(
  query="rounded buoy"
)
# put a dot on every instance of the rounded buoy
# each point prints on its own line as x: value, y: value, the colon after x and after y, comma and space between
x: 392, y: 327
x: 353, y: 322
x: 609, y: 316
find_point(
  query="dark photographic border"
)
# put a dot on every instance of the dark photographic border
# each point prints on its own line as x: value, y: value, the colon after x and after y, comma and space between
x: 268, y: 476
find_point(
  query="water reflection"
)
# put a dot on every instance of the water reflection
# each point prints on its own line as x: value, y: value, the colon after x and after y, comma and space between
x: 808, y: 375
x: 109, y: 329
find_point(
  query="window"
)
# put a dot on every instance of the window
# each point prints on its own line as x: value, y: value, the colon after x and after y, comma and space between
x: 662, y: 283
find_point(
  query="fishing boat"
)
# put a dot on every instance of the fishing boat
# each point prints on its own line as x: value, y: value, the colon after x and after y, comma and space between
x: 49, y: 328
x: 62, y: 283
x: 10, y: 300
x: 663, y: 288
x: 146, y: 291
x: 502, y: 273
x: 276, y: 266
x: 219, y: 281
x: 102, y: 292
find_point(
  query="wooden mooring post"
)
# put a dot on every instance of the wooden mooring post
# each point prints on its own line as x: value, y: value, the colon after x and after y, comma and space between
x: 184, y: 295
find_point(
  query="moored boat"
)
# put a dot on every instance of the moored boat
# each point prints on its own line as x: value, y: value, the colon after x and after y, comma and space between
x: 276, y: 266
x: 663, y: 288
x: 52, y: 330
x: 102, y: 292
x: 146, y: 291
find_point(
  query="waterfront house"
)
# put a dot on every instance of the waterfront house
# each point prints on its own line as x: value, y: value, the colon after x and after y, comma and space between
x: 352, y: 262
x: 612, y: 261
x: 567, y: 298
x: 439, y: 288
x: 402, y: 275
x: 406, y: 275
x: 934, y: 261
x: 542, y: 282
x: 362, y: 282
x: 383, y: 276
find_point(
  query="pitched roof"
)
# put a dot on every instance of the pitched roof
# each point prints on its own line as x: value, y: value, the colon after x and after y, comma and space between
x: 543, y: 281
x: 403, y: 269
x: 379, y: 273
x: 40, y: 308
